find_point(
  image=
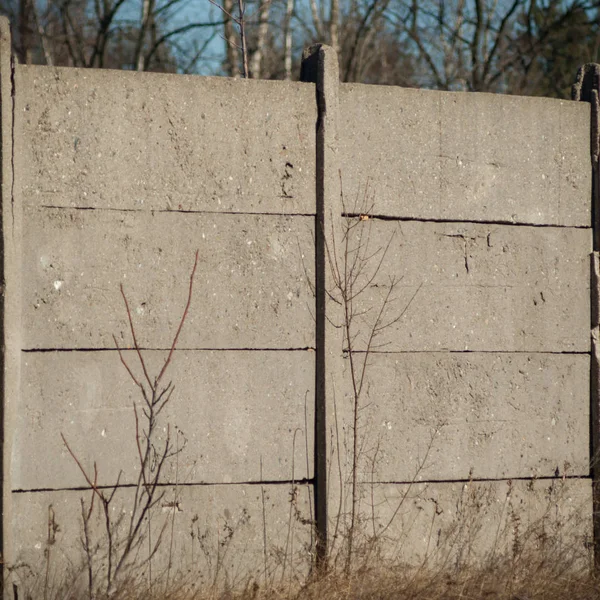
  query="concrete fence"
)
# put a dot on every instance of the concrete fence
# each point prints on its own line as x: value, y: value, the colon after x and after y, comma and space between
x: 468, y: 218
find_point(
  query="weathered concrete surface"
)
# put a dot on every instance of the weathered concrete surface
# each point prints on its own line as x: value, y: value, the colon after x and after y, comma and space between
x: 237, y: 416
x: 10, y: 288
x: 213, y: 534
x: 114, y: 139
x: 474, y: 157
x: 454, y: 524
x: 151, y: 158
x: 445, y: 416
x: 251, y: 288
x: 476, y: 287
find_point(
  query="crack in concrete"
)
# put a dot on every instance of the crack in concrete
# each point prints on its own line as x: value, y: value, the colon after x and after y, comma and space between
x: 465, y: 239
x: 478, y: 480
x: 461, y: 221
x: 285, y: 181
x: 171, y: 210
x: 179, y: 349
x: 446, y: 351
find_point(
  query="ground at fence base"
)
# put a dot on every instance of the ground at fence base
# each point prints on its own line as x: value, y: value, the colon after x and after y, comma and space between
x: 504, y: 541
x: 529, y: 577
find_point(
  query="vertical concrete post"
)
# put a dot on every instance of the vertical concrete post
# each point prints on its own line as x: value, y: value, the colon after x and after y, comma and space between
x: 10, y: 291
x: 320, y: 66
x: 587, y: 89
x: 595, y: 403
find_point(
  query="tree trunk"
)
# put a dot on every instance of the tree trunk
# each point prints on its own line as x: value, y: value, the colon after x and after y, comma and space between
x: 231, y: 43
x: 334, y: 25
x: 263, y: 30
x: 139, y: 51
x: 287, y: 60
x: 25, y: 32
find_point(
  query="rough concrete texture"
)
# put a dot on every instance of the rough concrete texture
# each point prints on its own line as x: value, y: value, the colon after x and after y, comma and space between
x: 473, y: 157
x: 10, y: 277
x: 459, y: 523
x: 214, y: 534
x: 251, y: 288
x: 476, y: 287
x: 114, y: 139
x: 237, y: 417
x: 124, y: 175
x: 446, y: 416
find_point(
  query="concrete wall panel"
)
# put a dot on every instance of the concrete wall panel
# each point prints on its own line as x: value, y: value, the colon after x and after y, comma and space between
x: 214, y: 534
x: 124, y: 175
x: 446, y: 416
x: 237, y: 416
x: 478, y: 287
x: 466, y: 157
x: 251, y: 287
x: 458, y: 523
x: 110, y: 139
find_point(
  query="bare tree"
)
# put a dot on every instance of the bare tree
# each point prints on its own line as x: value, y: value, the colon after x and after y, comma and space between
x: 509, y: 46
x: 263, y: 29
x: 147, y: 10
x: 482, y: 45
x: 101, y: 33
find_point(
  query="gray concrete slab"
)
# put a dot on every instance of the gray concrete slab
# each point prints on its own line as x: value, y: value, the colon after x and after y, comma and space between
x: 251, y: 287
x: 446, y: 416
x: 455, y: 524
x: 11, y: 270
x: 236, y: 416
x: 213, y: 533
x: 476, y: 287
x: 125, y: 175
x: 116, y: 139
x: 474, y: 157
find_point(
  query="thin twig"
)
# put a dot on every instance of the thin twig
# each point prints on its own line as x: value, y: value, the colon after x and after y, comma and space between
x: 183, y: 317
x: 135, y: 343
x: 133, y: 377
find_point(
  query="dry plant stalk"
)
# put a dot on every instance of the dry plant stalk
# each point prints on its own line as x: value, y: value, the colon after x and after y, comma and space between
x: 354, y: 267
x: 151, y: 462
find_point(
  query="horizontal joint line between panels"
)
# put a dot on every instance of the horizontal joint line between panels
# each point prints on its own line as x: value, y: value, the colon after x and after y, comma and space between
x: 124, y: 486
x: 446, y: 351
x: 147, y: 349
x: 368, y: 217
x: 167, y: 211
x: 480, y: 480
x: 307, y: 349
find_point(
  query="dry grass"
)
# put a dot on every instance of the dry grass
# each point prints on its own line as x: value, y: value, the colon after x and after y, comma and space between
x: 532, y: 580
x: 550, y: 574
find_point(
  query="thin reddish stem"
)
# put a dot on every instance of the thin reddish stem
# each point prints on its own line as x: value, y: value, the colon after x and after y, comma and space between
x: 125, y: 364
x: 183, y: 318
x: 135, y: 343
x: 89, y: 481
